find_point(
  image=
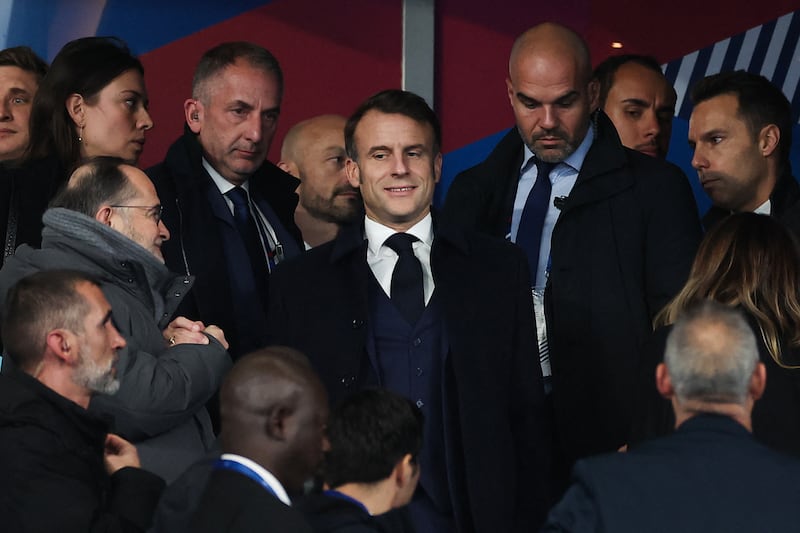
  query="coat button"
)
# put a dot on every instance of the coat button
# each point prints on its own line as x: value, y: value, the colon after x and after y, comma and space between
x: 177, y: 294
x: 419, y: 372
x: 417, y: 342
x: 356, y: 324
x: 420, y: 404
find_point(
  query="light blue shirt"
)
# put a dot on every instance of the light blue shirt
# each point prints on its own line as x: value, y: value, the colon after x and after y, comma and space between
x: 563, y: 177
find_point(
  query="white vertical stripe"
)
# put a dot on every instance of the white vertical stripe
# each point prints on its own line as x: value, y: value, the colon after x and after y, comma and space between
x: 775, y: 46
x: 717, y: 56
x: 748, y: 47
x: 792, y: 74
x: 5, y: 21
x: 684, y: 75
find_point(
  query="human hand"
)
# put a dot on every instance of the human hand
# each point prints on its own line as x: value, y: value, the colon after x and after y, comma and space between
x: 185, y: 331
x: 119, y: 453
x: 218, y: 334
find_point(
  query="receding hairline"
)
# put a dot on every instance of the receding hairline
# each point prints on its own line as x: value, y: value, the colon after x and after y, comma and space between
x: 200, y: 87
x: 296, y: 135
x: 553, y: 41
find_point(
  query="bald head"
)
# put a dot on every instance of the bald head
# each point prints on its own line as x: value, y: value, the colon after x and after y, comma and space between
x: 309, y: 132
x: 550, y: 43
x: 274, y: 410
x: 550, y: 91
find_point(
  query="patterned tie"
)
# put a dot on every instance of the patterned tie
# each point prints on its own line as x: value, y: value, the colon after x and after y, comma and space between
x: 529, y: 233
x: 406, y: 290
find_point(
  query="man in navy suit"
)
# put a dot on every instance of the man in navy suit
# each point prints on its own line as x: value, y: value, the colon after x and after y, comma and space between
x: 229, y: 209
x: 710, y: 475
x: 442, y: 316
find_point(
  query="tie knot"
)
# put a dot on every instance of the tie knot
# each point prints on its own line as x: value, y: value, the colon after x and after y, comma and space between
x: 544, y: 168
x: 238, y: 196
x: 401, y: 243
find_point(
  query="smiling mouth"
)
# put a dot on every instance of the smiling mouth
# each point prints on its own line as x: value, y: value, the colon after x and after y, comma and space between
x: 400, y: 189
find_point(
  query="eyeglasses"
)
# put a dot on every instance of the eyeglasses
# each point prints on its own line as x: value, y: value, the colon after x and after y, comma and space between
x: 154, y: 211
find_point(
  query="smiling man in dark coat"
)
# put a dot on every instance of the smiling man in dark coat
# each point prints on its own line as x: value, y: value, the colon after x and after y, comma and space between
x: 446, y: 321
x: 614, y: 243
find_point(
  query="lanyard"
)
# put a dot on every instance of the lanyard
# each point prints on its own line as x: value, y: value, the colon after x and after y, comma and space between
x: 226, y: 464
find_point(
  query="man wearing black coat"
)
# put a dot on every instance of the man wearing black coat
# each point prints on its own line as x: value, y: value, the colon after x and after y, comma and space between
x: 60, y: 469
x: 231, y: 212
x: 613, y: 247
x: 446, y: 321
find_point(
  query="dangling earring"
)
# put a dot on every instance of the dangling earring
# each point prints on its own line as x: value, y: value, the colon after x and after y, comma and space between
x: 80, y: 135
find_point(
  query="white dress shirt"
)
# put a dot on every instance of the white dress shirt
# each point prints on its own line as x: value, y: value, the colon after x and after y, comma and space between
x: 382, y: 259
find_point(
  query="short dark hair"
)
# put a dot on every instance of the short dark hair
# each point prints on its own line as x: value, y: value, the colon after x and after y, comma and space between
x: 393, y: 101
x: 760, y: 103
x: 25, y: 58
x: 369, y: 432
x: 38, y: 304
x: 83, y: 66
x: 605, y: 71
x: 225, y: 55
x: 98, y: 181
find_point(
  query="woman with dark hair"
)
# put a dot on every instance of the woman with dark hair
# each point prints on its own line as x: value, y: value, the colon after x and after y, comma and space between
x: 92, y: 102
x: 750, y: 262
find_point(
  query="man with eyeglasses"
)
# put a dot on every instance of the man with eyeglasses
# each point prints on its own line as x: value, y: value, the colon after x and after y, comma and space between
x: 107, y: 223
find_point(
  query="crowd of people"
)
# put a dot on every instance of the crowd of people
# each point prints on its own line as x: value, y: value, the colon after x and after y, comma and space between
x: 566, y: 346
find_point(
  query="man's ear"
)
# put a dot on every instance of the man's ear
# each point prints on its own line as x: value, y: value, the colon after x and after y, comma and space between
x: 289, y: 167
x: 276, y: 424
x: 63, y: 345
x: 76, y: 109
x: 103, y: 215
x: 193, y: 111
x: 510, y: 90
x: 758, y: 381
x: 768, y: 139
x: 663, y: 382
x: 353, y: 172
x: 594, y: 94
x: 404, y: 471
x: 437, y: 167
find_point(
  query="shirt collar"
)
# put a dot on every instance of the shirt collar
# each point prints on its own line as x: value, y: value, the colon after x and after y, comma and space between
x: 222, y: 184
x: 377, y: 233
x: 764, y: 209
x: 575, y: 159
x: 263, y: 473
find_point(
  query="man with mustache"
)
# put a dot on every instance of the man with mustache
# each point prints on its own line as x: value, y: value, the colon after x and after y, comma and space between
x: 639, y: 101
x: 741, y: 133
x: 610, y: 234
x: 230, y: 209
x: 107, y: 223
x: 60, y: 468
x: 313, y: 152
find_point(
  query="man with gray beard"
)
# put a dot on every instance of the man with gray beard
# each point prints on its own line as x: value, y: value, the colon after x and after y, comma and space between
x: 60, y: 469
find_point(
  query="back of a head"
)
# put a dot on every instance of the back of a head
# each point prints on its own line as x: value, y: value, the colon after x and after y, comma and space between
x: 83, y: 66
x: 760, y: 103
x: 36, y: 305
x: 223, y: 55
x: 390, y: 102
x: 605, y: 71
x: 369, y: 433
x: 98, y: 181
x: 710, y: 356
x: 25, y: 58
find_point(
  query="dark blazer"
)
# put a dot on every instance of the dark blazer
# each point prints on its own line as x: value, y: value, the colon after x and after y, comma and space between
x: 198, y: 219
x: 710, y: 475
x: 328, y: 514
x: 785, y: 205
x: 492, y: 380
x: 234, y: 503
x: 621, y: 249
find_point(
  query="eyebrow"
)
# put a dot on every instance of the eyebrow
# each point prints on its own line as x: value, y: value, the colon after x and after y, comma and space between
x: 106, y: 318
x: 18, y: 90
x: 637, y: 102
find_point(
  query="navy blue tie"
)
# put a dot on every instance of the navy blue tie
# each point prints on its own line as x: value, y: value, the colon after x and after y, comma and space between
x: 249, y: 232
x: 531, y: 224
x: 406, y: 290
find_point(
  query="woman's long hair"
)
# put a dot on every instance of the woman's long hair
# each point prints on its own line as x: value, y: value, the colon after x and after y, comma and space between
x: 752, y: 262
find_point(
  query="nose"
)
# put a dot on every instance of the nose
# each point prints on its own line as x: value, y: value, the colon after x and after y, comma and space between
x: 5, y: 111
x: 651, y: 125
x: 117, y: 341
x: 145, y: 120
x: 400, y: 166
x: 699, y: 161
x: 255, y: 128
x: 163, y: 232
x: 549, y: 120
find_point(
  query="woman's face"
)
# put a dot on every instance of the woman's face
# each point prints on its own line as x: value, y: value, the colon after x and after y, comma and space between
x: 115, y: 120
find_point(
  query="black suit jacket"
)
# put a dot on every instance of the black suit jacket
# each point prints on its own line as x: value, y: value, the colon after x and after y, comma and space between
x: 710, y: 475
x: 621, y: 249
x: 234, y: 503
x: 319, y: 304
x: 198, y: 229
